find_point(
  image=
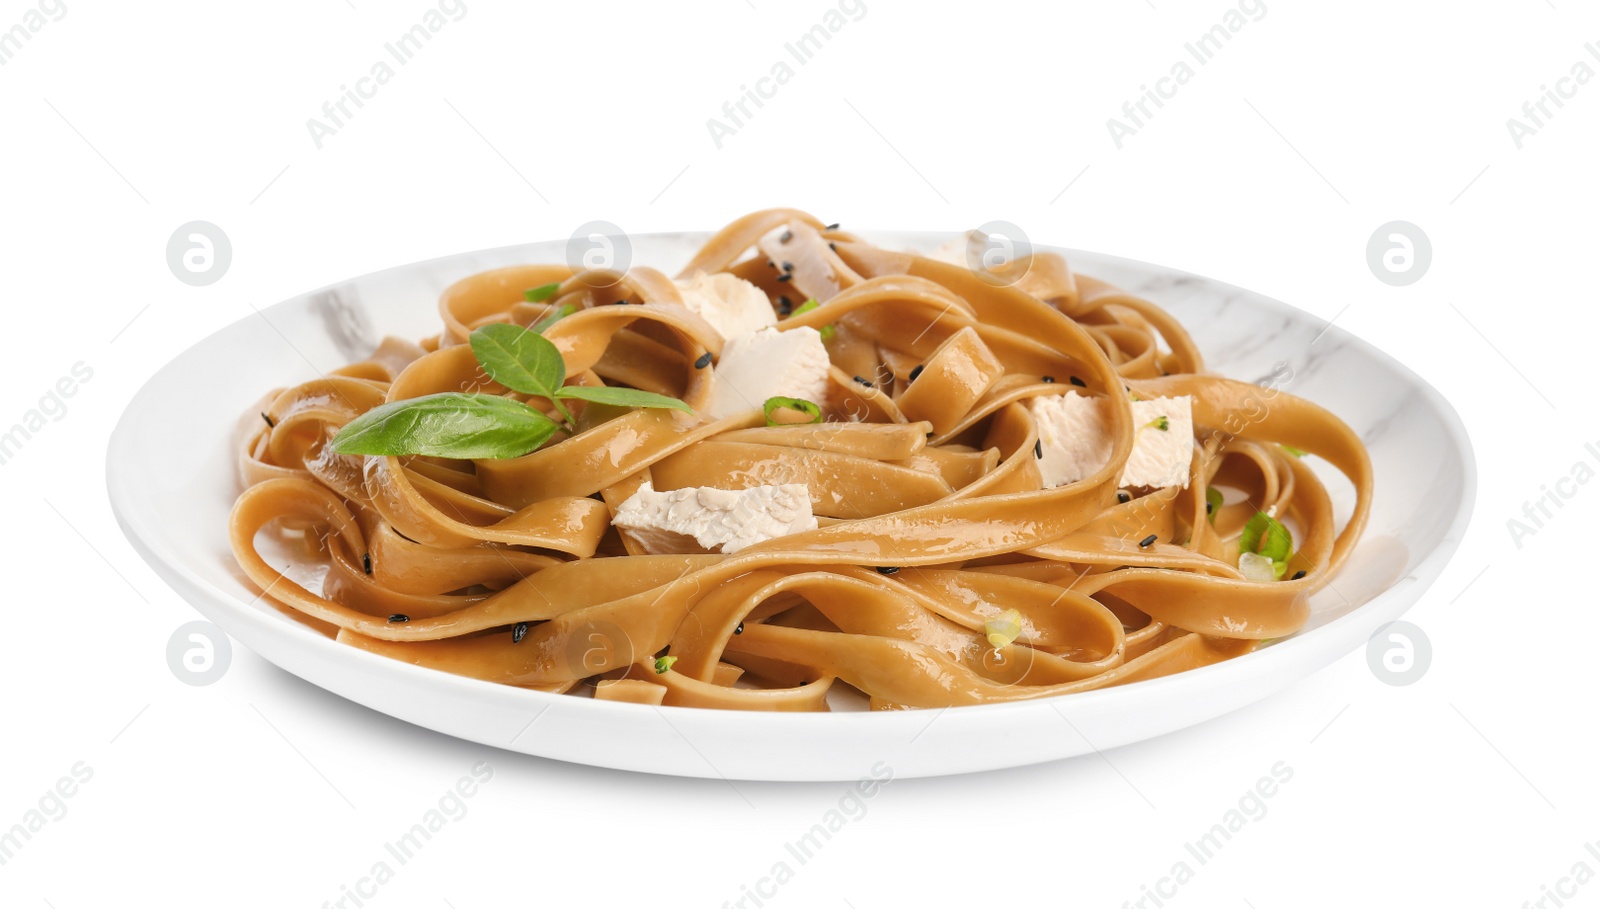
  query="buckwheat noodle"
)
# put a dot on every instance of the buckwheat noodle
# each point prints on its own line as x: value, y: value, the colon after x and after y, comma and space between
x: 934, y: 519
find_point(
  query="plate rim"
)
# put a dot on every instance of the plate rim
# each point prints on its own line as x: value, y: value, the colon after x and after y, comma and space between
x: 1309, y: 649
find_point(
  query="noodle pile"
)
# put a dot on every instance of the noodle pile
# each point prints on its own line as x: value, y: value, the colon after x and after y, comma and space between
x: 934, y: 523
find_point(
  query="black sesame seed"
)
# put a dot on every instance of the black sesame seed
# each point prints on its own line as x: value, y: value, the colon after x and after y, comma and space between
x: 398, y: 617
x: 785, y: 305
x: 366, y: 562
x: 739, y: 629
x: 620, y: 302
x: 1147, y: 541
x: 833, y: 247
x: 704, y: 361
x: 1123, y: 497
x: 786, y: 276
x: 1298, y: 575
x: 887, y: 569
x: 1078, y: 382
x: 518, y: 632
x: 788, y: 266
x: 862, y: 381
x: 1038, y: 448
x: 270, y: 424
x: 914, y: 373
x: 1048, y: 380
x: 1208, y: 508
x: 787, y: 236
x: 833, y: 226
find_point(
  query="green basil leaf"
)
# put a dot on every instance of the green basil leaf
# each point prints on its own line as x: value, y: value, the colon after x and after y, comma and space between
x: 621, y: 397
x: 519, y: 359
x: 1264, y: 534
x: 550, y: 319
x: 806, y: 407
x: 541, y: 293
x: 447, y: 425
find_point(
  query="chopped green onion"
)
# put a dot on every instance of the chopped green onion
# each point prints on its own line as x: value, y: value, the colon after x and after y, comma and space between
x: 827, y: 330
x: 664, y: 663
x: 1003, y: 629
x: 806, y: 407
x: 541, y: 293
x: 1293, y: 451
x: 1160, y: 423
x: 1257, y: 567
x: 1213, y: 503
x: 1265, y: 536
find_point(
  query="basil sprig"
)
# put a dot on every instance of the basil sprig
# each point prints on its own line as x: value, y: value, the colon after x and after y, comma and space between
x: 474, y: 425
x: 519, y: 359
x: 448, y: 425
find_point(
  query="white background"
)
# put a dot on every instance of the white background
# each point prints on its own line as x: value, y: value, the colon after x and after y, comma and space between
x: 1270, y: 169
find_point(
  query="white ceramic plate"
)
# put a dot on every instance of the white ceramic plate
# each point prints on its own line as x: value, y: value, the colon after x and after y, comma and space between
x: 172, y: 483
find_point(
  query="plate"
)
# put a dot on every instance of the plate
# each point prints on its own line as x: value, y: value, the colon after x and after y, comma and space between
x: 172, y: 482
